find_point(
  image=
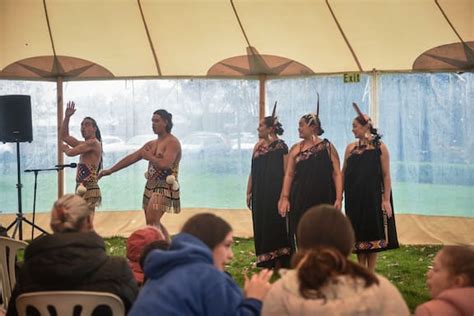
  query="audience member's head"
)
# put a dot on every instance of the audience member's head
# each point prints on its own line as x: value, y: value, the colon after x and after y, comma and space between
x: 453, y: 267
x: 71, y: 213
x: 324, y: 225
x: 154, y: 245
x: 136, y: 242
x: 325, y: 239
x: 216, y: 233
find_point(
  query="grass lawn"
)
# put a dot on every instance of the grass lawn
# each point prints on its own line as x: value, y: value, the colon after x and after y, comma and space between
x: 404, y: 267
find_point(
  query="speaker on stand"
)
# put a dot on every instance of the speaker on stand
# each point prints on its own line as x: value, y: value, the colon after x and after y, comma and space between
x: 16, y: 127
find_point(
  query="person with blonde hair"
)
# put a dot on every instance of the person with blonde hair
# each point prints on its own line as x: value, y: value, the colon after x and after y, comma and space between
x: 324, y: 281
x: 73, y: 258
x: 70, y: 213
x: 450, y: 283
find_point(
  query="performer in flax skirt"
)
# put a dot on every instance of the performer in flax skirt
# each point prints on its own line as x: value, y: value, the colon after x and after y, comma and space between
x: 367, y: 192
x: 272, y: 246
x: 161, y: 193
x: 312, y: 176
x: 90, y: 156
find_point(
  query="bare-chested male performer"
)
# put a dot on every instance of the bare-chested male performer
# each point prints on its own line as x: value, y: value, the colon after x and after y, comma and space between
x: 163, y: 154
x: 90, y: 155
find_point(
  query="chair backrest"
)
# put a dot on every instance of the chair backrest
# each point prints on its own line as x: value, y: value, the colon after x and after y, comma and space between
x: 8, y: 252
x: 64, y: 302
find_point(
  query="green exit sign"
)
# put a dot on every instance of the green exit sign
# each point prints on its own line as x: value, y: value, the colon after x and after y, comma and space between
x: 351, y: 77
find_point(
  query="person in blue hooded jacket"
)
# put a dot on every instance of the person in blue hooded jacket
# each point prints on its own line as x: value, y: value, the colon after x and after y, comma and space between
x: 189, y: 278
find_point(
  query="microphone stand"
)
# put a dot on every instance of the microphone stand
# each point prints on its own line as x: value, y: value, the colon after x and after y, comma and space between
x: 35, y: 171
x: 20, y: 218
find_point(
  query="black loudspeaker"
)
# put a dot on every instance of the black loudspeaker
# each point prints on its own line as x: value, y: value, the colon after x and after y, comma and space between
x: 15, y: 119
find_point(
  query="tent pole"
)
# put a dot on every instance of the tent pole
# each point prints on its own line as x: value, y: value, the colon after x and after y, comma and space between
x: 262, y: 79
x: 374, y: 98
x: 60, y: 111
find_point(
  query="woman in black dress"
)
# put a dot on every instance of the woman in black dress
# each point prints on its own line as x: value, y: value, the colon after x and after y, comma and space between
x: 367, y: 192
x: 263, y: 191
x: 312, y: 176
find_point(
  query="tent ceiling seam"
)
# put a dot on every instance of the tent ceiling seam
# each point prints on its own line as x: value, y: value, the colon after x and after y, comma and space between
x: 449, y: 22
x: 49, y: 28
x: 344, y: 36
x: 153, y: 51
x: 240, y: 23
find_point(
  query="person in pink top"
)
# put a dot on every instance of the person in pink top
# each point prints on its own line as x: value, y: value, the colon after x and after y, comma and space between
x: 450, y: 283
x: 324, y: 281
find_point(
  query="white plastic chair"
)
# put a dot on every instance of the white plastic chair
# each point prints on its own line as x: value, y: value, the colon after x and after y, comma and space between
x: 64, y: 302
x: 7, y: 265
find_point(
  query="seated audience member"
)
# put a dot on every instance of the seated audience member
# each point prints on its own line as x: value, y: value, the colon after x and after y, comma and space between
x: 154, y: 245
x: 189, y: 278
x: 450, y: 283
x: 73, y: 258
x: 324, y: 281
x: 135, y: 244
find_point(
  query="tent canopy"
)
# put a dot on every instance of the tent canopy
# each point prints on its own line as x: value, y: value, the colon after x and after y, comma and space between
x: 173, y: 38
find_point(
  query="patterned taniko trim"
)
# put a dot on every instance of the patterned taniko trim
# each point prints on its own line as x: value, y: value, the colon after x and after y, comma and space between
x: 369, y: 245
x: 86, y: 173
x: 168, y: 200
x: 273, y: 255
x: 308, y: 153
x: 154, y: 174
x: 276, y: 145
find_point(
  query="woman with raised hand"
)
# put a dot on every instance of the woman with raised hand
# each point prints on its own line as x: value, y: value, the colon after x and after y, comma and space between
x: 272, y: 247
x: 312, y: 176
x: 368, y: 192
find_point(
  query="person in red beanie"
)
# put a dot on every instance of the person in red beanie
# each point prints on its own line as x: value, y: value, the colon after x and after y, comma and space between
x: 135, y: 244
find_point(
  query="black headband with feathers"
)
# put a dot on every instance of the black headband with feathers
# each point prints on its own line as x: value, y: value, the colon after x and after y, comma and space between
x: 360, y: 115
x: 274, y: 118
x: 317, y: 107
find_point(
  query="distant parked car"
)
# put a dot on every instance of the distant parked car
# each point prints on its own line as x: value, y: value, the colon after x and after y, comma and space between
x: 114, y: 147
x: 136, y: 142
x: 111, y: 144
x: 244, y: 141
x: 205, y: 144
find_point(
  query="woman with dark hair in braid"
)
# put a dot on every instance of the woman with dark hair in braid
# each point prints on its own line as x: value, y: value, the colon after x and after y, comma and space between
x: 272, y: 247
x: 368, y: 192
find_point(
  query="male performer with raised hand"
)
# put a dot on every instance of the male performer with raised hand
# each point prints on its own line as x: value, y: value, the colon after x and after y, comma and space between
x: 90, y: 155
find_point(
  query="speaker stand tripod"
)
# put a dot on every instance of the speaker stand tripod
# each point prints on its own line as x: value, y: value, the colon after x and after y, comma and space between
x: 20, y: 218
